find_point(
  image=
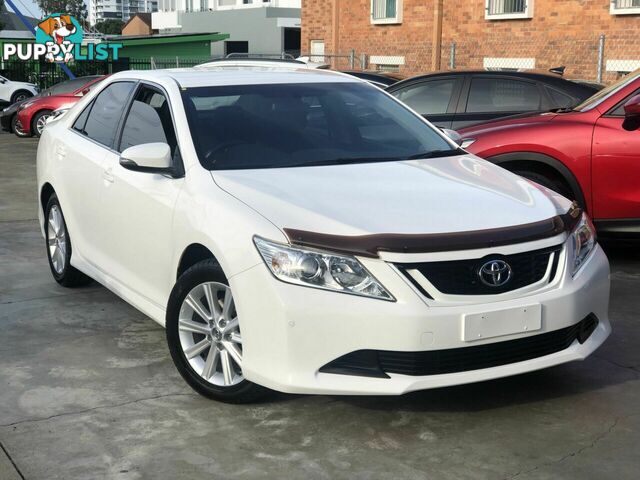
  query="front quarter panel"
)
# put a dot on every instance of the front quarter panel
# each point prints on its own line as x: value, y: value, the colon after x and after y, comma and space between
x: 565, y: 139
x: 209, y: 216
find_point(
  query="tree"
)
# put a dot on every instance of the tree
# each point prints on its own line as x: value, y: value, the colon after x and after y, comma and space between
x: 75, y: 8
x: 110, y: 26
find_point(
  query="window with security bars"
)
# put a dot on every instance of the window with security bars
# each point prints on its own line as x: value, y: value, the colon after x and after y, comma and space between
x: 508, y: 8
x: 385, y: 11
x: 500, y: 7
x: 625, y: 5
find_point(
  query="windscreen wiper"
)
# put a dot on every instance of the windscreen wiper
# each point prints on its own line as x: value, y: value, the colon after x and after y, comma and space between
x: 354, y: 160
x: 341, y: 161
x: 562, y: 110
x: 436, y: 154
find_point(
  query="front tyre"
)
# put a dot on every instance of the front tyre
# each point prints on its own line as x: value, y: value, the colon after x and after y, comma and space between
x: 39, y: 122
x: 59, y: 247
x: 203, y: 333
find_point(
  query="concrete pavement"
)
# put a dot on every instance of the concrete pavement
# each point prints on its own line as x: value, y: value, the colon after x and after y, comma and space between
x: 88, y: 390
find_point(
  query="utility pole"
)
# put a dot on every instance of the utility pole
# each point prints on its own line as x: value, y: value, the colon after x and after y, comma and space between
x: 437, y: 35
x: 335, y: 28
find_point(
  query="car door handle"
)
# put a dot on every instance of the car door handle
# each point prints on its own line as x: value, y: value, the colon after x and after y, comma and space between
x: 108, y: 175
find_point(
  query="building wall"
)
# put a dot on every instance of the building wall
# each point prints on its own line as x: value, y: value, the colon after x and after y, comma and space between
x: 261, y: 27
x: 136, y: 27
x: 100, y: 10
x: 167, y: 50
x: 561, y: 32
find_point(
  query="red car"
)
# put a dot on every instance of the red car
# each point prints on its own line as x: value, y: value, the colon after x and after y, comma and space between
x: 32, y: 115
x: 590, y: 153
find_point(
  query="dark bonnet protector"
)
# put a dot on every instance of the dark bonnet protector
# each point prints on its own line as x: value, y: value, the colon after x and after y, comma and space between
x: 370, y: 245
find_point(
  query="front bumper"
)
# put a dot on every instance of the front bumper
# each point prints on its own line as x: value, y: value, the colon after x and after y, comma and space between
x: 290, y: 332
x: 5, y: 120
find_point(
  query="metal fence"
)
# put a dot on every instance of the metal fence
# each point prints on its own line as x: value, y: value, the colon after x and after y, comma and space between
x: 592, y: 57
x: 46, y: 74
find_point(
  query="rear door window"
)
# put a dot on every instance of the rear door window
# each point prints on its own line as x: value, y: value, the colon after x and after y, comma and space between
x: 503, y: 95
x: 428, y: 98
x: 559, y: 99
x: 103, y: 119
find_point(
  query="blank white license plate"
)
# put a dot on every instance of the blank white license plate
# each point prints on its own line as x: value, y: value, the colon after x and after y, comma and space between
x: 479, y: 326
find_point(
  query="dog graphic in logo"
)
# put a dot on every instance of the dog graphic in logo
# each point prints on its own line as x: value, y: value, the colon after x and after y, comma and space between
x: 59, y: 33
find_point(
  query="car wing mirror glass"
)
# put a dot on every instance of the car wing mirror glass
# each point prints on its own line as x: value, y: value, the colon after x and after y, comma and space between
x: 148, y: 158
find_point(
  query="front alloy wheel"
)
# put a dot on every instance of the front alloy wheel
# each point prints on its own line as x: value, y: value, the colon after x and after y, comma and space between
x: 210, y: 334
x: 204, y: 337
x: 39, y: 122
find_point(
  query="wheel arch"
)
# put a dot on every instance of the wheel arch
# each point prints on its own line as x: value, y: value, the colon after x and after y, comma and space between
x: 543, y: 164
x: 45, y: 193
x: 194, y: 253
x: 21, y: 90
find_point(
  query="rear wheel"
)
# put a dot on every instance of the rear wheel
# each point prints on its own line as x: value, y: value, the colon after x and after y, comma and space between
x: 39, y: 121
x: 59, y: 247
x: 204, y: 337
x: 20, y: 95
x: 553, y: 183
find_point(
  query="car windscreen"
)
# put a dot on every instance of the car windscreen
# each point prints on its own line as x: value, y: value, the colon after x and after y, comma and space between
x: 292, y: 125
x: 605, y: 93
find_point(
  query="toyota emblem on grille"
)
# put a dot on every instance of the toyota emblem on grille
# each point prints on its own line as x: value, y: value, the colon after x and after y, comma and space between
x: 495, y: 273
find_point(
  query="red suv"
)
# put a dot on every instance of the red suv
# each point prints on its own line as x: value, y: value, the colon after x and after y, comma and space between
x: 32, y: 115
x: 590, y: 153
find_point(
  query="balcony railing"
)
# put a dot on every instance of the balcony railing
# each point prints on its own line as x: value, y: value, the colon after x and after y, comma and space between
x: 507, y: 7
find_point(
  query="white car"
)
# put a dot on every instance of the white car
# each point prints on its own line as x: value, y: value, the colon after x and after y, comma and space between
x: 12, y: 92
x: 302, y: 230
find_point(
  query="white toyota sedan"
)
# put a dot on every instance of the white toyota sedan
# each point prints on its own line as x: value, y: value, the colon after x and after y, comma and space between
x: 303, y: 231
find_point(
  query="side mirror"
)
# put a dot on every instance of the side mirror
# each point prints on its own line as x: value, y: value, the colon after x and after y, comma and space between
x: 148, y: 158
x: 2, y: 80
x: 453, y: 135
x: 632, y: 114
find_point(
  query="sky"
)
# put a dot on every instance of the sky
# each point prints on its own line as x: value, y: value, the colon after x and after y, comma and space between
x: 27, y: 6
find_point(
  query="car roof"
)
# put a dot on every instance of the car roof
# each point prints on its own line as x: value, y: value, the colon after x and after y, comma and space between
x: 545, y: 77
x: 253, y: 62
x: 239, y: 75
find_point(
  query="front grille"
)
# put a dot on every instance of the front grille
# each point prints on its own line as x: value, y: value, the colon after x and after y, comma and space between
x: 460, y: 277
x: 377, y: 363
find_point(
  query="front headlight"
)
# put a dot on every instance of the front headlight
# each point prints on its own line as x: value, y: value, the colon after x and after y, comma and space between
x: 583, y: 241
x: 57, y: 114
x: 318, y: 269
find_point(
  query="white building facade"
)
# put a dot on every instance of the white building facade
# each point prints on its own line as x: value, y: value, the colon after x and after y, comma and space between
x: 100, y: 10
x: 254, y: 26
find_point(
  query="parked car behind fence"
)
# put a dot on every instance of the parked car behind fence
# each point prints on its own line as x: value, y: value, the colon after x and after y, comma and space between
x: 457, y: 99
x: 590, y: 153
